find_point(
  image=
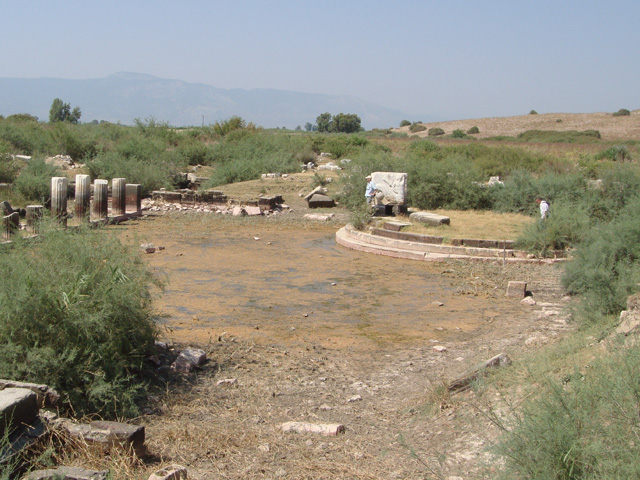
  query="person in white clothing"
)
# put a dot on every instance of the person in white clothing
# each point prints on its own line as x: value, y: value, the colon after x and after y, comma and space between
x: 544, y: 208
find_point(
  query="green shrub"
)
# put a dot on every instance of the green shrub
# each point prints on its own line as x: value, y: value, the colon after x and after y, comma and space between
x: 606, y: 264
x: 24, y: 138
x: 533, y: 112
x: 195, y: 153
x: 424, y: 148
x: 416, y: 127
x: 617, y: 153
x: 435, y: 131
x: 405, y: 123
x: 75, y: 313
x: 565, y: 227
x: 34, y: 181
x: 473, y: 130
x: 150, y: 174
x: 457, y: 133
x: 581, y: 429
x: 245, y: 155
x: 68, y: 140
x: 567, y: 136
x: 623, y: 112
x: 9, y: 167
x: 446, y: 183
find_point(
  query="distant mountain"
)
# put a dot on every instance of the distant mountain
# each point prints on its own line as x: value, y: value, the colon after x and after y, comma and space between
x: 123, y: 97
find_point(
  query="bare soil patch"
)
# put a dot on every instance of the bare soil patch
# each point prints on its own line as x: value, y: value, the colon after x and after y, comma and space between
x: 298, y: 328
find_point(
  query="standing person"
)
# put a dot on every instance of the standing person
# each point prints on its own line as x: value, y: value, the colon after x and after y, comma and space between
x: 544, y: 208
x: 370, y: 192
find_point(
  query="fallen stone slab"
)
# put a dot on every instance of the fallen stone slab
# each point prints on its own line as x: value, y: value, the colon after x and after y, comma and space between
x: 319, y: 217
x: 173, y: 472
x: 323, y: 428
x: 321, y: 201
x: 68, y: 473
x: 430, y: 218
x: 47, y: 396
x: 18, y: 406
x: 319, y: 189
x: 464, y: 382
x: 253, y: 211
x: 396, y: 226
x: 108, y: 435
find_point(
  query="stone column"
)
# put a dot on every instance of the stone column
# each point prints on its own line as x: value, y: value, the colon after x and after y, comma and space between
x: 34, y: 215
x: 59, y: 199
x: 118, y: 196
x: 100, y: 199
x: 83, y: 197
x: 134, y: 197
x: 10, y: 224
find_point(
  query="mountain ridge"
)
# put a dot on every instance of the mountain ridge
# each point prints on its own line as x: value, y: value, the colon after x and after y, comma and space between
x: 125, y: 96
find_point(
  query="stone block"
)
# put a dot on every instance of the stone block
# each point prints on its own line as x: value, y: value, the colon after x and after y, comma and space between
x: 174, y: 472
x: 430, y: 218
x: 189, y: 360
x: 108, y: 435
x: 253, y: 211
x: 321, y: 201
x: 47, y: 396
x: 396, y: 226
x: 517, y: 289
x: 323, y: 429
x: 393, y: 185
x: 319, y: 217
x: 68, y: 473
x: 17, y: 406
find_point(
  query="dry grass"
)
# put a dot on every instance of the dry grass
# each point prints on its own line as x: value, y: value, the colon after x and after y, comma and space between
x: 474, y: 225
x: 610, y: 127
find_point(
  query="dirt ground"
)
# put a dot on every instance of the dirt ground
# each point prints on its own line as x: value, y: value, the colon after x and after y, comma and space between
x: 610, y: 127
x: 298, y: 328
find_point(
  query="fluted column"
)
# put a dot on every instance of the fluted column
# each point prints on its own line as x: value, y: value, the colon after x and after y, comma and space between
x: 83, y: 197
x: 59, y: 199
x: 118, y: 196
x: 100, y: 199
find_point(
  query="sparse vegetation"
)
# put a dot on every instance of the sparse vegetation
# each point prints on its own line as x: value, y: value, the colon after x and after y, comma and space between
x: 74, y: 335
x: 623, y: 112
x: 417, y: 127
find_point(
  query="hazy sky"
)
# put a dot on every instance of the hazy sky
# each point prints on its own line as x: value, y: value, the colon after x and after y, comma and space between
x: 450, y: 58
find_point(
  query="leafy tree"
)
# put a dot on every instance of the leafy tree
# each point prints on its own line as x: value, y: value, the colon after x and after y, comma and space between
x: 61, y: 112
x: 308, y: 126
x: 324, y: 122
x: 345, y: 123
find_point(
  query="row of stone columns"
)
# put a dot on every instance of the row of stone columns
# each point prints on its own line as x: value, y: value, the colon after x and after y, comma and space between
x: 125, y: 197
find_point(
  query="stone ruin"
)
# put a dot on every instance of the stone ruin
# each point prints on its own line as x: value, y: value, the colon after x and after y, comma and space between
x: 27, y: 417
x: 212, y: 201
x: 393, y: 186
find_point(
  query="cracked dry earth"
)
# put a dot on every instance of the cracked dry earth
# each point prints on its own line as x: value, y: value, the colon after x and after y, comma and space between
x: 297, y: 328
